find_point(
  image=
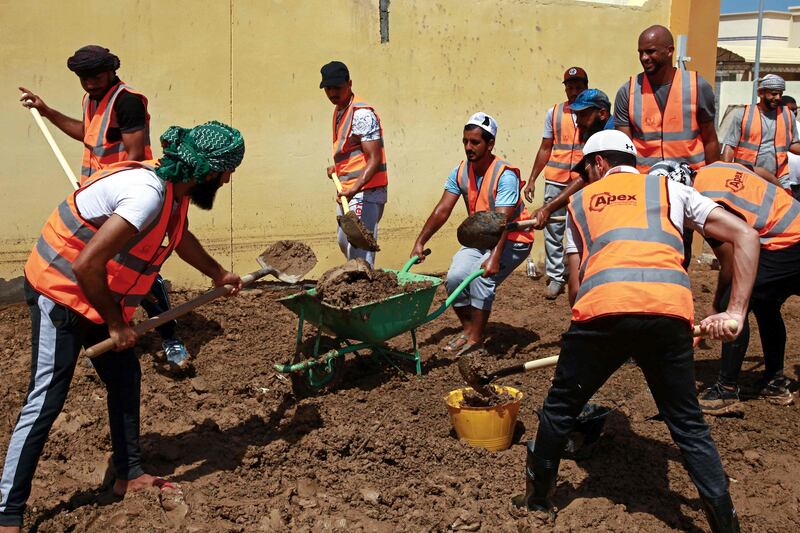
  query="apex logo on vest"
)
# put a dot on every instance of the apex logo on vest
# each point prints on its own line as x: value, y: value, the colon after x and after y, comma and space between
x: 600, y: 201
x: 735, y: 183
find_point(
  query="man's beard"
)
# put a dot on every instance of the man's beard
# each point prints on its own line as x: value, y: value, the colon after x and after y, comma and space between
x: 595, y: 126
x: 202, y: 195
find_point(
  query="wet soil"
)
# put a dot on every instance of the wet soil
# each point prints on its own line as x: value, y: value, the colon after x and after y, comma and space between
x: 475, y: 399
x: 379, y: 453
x: 357, y: 233
x: 292, y: 258
x: 481, y: 230
x: 356, y: 283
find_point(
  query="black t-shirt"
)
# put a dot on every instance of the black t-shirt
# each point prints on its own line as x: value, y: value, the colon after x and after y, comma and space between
x: 130, y: 114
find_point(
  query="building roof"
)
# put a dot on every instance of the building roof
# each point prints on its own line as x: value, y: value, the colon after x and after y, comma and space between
x: 769, y: 54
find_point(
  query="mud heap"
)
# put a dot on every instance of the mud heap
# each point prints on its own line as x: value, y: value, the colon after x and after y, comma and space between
x: 357, y: 283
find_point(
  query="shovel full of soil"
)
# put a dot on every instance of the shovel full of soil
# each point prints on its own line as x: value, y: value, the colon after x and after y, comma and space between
x: 483, y: 229
x: 288, y: 261
x: 356, y: 232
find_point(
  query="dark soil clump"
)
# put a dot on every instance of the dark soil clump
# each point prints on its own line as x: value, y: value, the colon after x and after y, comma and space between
x: 355, y: 283
x: 292, y: 258
x: 474, y: 399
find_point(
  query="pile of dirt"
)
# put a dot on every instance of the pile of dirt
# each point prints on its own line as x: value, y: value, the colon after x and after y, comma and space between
x: 292, y: 258
x: 357, y: 283
x: 379, y: 452
x: 475, y: 399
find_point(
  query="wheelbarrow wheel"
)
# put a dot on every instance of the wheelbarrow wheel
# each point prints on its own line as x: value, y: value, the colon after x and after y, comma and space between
x: 325, y: 376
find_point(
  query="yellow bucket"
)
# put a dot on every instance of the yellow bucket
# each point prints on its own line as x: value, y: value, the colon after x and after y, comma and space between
x: 488, y: 427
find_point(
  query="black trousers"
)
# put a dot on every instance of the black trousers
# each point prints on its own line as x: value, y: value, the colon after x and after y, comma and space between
x: 153, y: 308
x: 662, y: 347
x: 765, y: 303
x: 57, y: 336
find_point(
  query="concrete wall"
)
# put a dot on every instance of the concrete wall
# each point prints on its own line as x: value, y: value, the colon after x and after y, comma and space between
x: 256, y: 65
x: 775, y: 29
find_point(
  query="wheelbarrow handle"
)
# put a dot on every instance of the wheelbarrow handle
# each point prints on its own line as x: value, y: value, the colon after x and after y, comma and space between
x: 452, y: 298
x: 171, y: 314
x: 414, y: 260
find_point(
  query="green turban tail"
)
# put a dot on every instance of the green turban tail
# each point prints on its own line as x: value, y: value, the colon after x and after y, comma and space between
x: 194, y: 153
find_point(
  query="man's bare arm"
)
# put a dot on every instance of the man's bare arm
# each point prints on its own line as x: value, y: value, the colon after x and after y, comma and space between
x: 542, y: 157
x: 134, y: 143
x: 710, y: 142
x: 70, y: 126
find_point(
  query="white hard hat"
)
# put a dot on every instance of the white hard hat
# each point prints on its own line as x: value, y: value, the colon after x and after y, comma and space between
x: 484, y: 121
x: 605, y: 141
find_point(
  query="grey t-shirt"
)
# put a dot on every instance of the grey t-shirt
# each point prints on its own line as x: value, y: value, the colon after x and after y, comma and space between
x: 766, y: 152
x: 706, y: 109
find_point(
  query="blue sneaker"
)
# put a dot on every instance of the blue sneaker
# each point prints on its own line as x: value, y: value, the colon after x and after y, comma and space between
x: 176, y: 353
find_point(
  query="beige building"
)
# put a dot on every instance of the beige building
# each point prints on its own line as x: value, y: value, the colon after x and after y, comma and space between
x: 780, y: 44
x: 255, y: 64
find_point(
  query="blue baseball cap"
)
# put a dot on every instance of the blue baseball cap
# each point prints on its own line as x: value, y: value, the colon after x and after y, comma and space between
x: 591, y: 98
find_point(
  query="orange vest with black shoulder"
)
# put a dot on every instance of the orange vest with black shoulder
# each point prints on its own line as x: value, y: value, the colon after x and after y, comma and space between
x: 349, y: 159
x: 566, y: 146
x: 98, y: 153
x: 632, y: 252
x: 746, y: 152
x: 769, y: 209
x: 671, y: 134
x: 130, y: 274
x: 483, y: 198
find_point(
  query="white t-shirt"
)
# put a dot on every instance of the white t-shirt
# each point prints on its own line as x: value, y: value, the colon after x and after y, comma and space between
x: 687, y: 207
x: 136, y: 195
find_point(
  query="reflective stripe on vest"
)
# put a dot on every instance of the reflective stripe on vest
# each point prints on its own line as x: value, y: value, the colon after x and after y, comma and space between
x: 130, y: 274
x: 671, y: 134
x: 769, y: 209
x: 98, y: 153
x: 349, y: 159
x: 485, y: 198
x: 632, y: 253
x: 751, y: 139
x: 567, y: 147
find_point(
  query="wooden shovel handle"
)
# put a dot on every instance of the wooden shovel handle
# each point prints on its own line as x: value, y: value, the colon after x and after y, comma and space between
x: 343, y: 199
x: 37, y: 117
x: 171, y: 314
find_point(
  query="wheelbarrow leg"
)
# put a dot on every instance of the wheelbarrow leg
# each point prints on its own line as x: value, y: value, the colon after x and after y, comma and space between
x: 417, y: 359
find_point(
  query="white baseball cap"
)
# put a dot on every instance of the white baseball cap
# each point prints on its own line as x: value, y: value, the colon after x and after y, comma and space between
x: 484, y: 121
x: 605, y: 141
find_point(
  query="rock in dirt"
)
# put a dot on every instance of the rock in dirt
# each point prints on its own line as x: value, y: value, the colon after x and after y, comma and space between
x: 357, y: 283
x: 371, y: 495
x: 199, y: 385
x: 292, y: 258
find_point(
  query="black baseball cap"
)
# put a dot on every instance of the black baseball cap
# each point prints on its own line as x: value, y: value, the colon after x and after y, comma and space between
x: 334, y: 74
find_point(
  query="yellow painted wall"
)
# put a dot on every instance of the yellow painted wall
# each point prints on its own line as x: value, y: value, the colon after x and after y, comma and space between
x: 256, y: 65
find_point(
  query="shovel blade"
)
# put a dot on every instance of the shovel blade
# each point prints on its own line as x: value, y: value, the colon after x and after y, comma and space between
x: 289, y: 261
x: 481, y: 230
x: 357, y: 233
x: 474, y: 377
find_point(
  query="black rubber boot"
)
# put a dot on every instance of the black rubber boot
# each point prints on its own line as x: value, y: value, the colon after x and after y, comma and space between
x: 721, y: 514
x: 540, y: 483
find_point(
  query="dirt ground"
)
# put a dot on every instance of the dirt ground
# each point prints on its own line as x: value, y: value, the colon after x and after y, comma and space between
x: 378, y: 453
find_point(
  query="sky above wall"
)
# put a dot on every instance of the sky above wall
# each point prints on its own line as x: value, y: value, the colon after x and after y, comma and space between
x: 734, y: 6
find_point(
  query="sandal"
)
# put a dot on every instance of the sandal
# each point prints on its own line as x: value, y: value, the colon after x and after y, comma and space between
x: 456, y: 343
x: 475, y: 348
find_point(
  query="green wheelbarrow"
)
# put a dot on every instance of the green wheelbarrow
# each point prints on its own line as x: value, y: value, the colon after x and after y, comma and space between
x: 318, y: 362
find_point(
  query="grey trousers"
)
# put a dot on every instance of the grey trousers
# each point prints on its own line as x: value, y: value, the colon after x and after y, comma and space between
x: 481, y: 292
x: 370, y: 214
x: 554, y: 238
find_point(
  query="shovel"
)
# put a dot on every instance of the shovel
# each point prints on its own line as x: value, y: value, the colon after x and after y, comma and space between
x: 475, y: 377
x: 483, y: 229
x: 356, y: 232
x: 288, y: 261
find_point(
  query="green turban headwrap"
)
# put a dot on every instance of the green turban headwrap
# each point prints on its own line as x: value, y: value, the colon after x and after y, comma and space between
x: 193, y: 153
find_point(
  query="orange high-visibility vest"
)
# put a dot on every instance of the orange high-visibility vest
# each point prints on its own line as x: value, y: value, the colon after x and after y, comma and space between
x: 566, y: 146
x: 673, y: 134
x: 348, y: 158
x: 769, y: 209
x: 98, y: 153
x: 746, y: 152
x: 483, y: 199
x: 130, y: 274
x: 632, y: 253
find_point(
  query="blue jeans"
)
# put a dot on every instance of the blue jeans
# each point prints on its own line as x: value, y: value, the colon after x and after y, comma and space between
x: 554, y: 238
